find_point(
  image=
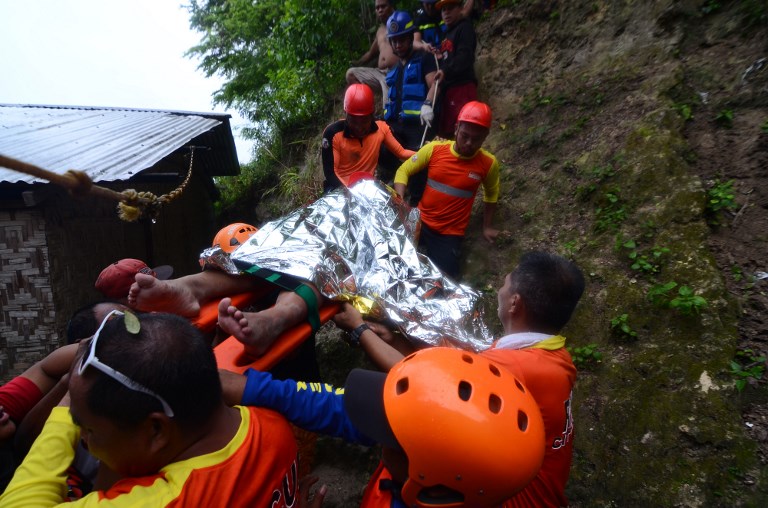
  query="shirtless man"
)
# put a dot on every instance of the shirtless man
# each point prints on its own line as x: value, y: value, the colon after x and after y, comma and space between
x: 375, y: 76
x: 184, y: 296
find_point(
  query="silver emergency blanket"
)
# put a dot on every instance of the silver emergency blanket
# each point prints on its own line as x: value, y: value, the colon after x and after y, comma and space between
x: 359, y: 245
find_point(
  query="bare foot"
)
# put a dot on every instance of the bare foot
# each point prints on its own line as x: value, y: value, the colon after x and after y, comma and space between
x: 151, y: 294
x: 258, y: 330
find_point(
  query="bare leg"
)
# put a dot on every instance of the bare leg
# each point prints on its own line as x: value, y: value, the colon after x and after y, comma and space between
x: 258, y: 330
x: 184, y: 296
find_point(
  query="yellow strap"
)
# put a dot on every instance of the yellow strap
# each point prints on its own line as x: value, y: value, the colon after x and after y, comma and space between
x: 550, y: 344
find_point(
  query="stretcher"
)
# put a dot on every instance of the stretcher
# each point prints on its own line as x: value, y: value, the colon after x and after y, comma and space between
x: 230, y: 354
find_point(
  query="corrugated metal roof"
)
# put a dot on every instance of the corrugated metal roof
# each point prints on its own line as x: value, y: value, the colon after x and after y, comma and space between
x: 107, y: 143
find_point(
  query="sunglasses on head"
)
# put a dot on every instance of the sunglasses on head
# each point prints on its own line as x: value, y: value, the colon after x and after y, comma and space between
x: 89, y: 359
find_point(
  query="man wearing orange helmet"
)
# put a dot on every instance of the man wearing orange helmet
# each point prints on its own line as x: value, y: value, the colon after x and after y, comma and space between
x: 439, y: 405
x: 455, y: 171
x: 352, y: 145
x: 534, y: 304
x: 490, y: 443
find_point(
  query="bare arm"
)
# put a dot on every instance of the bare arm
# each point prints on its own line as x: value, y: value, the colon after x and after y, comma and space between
x: 489, y: 232
x: 48, y: 371
x: 372, y: 53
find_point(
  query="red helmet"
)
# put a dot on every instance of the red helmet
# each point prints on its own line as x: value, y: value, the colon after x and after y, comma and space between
x: 465, y: 423
x: 358, y: 100
x: 231, y: 237
x: 476, y: 112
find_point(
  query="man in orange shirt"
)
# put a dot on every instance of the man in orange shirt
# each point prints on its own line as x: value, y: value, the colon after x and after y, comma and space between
x: 535, y: 303
x: 456, y: 170
x: 145, y: 397
x: 352, y: 145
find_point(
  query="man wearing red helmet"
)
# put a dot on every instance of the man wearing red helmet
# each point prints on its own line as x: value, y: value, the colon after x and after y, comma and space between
x: 456, y: 169
x: 353, y: 144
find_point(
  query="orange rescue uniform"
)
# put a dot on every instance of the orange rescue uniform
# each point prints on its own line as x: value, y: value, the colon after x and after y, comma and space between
x: 344, y: 155
x: 452, y: 182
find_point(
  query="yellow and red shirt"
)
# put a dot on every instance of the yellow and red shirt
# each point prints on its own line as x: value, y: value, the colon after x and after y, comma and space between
x: 256, y: 468
x: 452, y: 182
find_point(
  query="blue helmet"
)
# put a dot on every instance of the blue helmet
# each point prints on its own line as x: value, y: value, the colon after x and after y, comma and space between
x: 399, y: 23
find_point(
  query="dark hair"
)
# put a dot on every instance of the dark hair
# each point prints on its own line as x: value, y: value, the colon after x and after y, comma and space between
x: 83, y: 323
x: 170, y: 357
x: 550, y: 287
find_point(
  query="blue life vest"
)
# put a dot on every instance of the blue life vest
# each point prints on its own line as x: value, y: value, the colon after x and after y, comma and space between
x: 414, y: 91
x: 433, y: 32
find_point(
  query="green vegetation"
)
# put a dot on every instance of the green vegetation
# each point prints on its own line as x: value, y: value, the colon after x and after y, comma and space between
x: 725, y: 118
x: 585, y: 356
x: 764, y: 127
x: 610, y: 213
x: 685, y: 111
x: 687, y: 302
x: 719, y: 197
x: 647, y: 262
x: 282, y: 61
x: 620, y: 326
x: 747, y: 368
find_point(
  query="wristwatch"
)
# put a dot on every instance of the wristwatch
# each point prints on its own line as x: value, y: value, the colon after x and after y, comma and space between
x: 427, y: 102
x: 354, y: 337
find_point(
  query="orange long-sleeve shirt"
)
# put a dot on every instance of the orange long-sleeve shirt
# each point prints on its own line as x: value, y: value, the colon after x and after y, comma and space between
x: 344, y: 155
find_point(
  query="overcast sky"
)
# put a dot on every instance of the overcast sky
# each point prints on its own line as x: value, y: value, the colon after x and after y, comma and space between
x: 125, y: 53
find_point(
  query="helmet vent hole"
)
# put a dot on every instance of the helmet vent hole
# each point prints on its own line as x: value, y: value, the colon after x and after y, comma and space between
x: 494, y: 370
x: 233, y: 241
x: 465, y: 391
x: 494, y: 404
x: 522, y: 421
x: 402, y: 386
x: 467, y: 358
x: 519, y: 386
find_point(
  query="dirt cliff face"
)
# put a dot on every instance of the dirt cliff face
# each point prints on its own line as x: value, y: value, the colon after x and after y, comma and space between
x: 619, y: 126
x: 633, y: 138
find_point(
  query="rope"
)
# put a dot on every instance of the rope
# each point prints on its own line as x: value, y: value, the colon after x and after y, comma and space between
x: 132, y: 205
x: 434, y: 104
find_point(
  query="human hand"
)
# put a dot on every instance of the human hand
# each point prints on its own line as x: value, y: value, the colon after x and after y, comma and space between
x: 348, y: 318
x: 490, y: 234
x: 384, y: 332
x: 317, y: 497
x: 427, y: 114
x: 439, y: 75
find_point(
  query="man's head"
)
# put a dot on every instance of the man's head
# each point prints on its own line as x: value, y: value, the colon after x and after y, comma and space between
x: 358, y: 106
x: 400, y: 30
x: 384, y: 9
x: 140, y: 388
x: 450, y: 10
x: 86, y: 320
x: 540, y: 294
x: 429, y: 7
x: 472, y: 127
x: 471, y: 432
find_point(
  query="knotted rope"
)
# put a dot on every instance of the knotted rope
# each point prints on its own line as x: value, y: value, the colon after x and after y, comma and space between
x: 132, y: 205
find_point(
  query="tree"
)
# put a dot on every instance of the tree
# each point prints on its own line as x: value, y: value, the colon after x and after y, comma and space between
x: 281, y: 59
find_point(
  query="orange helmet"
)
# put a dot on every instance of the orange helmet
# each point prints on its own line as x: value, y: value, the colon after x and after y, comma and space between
x: 231, y: 237
x: 358, y: 100
x: 476, y: 112
x: 465, y: 423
